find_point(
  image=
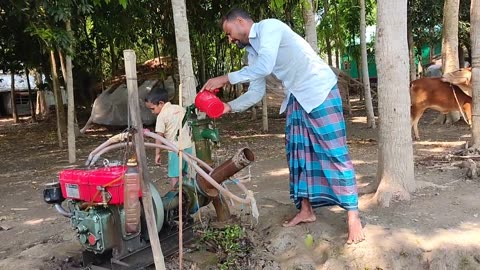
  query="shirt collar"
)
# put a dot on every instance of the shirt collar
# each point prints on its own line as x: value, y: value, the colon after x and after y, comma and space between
x: 253, y: 31
x: 165, y: 107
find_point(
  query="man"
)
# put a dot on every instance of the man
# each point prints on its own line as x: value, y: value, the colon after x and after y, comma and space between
x: 321, y: 172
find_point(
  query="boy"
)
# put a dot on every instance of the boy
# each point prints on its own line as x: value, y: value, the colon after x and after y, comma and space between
x: 169, y: 121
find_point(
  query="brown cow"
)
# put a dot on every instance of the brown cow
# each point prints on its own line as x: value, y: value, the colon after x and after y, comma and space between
x: 433, y: 93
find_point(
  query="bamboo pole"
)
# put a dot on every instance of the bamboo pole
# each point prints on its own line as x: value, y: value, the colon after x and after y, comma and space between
x: 134, y: 108
x: 180, y: 188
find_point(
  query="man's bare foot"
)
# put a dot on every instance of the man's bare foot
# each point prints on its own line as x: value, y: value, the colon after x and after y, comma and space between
x: 301, y: 217
x: 355, y: 231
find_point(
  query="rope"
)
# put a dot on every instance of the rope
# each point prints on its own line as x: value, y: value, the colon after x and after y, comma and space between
x: 459, y: 107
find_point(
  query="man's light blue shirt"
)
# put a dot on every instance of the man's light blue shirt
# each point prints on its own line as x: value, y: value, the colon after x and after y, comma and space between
x: 275, y: 48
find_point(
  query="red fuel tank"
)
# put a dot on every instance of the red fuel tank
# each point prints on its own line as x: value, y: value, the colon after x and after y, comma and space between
x: 85, y: 184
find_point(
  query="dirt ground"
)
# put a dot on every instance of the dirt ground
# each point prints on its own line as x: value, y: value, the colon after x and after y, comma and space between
x: 437, y: 229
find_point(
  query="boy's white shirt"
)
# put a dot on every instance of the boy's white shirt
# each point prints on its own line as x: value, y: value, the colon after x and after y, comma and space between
x: 169, y: 121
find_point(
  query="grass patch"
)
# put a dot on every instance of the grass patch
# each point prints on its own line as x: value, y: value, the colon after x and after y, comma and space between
x: 230, y: 244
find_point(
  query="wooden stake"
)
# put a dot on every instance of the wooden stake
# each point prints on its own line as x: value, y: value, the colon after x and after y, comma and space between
x: 134, y: 107
x: 180, y: 189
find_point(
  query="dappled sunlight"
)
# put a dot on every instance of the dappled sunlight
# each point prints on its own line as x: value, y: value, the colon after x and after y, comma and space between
x: 465, y: 235
x: 279, y: 172
x: 433, y: 147
x: 363, y: 162
x: 103, y: 135
x: 38, y: 221
x: 258, y: 136
x: 439, y: 143
x: 433, y: 150
x: 358, y: 119
x: 6, y: 120
x: 337, y: 210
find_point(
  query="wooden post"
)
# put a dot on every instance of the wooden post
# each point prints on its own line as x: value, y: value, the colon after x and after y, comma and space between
x: 134, y: 108
x: 180, y: 189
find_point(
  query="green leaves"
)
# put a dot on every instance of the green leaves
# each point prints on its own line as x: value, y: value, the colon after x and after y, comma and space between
x: 123, y: 3
x: 230, y: 243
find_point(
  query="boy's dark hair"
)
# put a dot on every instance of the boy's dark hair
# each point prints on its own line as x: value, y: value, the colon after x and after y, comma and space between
x: 233, y: 13
x: 156, y: 95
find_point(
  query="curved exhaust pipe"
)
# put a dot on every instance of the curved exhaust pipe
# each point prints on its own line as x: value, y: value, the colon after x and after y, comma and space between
x: 62, y: 210
x: 240, y: 160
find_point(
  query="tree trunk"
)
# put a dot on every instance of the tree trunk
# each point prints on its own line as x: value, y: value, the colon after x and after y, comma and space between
x: 310, y: 26
x: 30, y: 97
x: 361, y: 95
x: 450, y: 44
x: 62, y: 68
x: 41, y: 107
x: 337, y: 59
x: 469, y: 53
x: 475, y: 62
x: 395, y: 164
x: 411, y: 52
x: 432, y: 53
x: 265, y: 113
x: 113, y: 61
x: 419, y: 66
x: 12, y: 99
x: 156, y: 50
x: 328, y: 49
x: 184, y: 55
x: 365, y: 76
x: 60, y: 112
x: 461, y: 57
x: 450, y: 36
x: 203, y: 77
x: 71, y: 103
x: 288, y: 16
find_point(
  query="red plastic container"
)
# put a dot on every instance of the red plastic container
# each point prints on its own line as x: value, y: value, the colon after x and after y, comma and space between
x: 84, y: 184
x: 207, y: 102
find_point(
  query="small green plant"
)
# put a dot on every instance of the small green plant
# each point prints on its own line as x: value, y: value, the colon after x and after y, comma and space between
x: 230, y: 243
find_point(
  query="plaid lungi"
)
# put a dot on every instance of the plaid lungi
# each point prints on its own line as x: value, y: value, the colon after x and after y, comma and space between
x: 317, y: 155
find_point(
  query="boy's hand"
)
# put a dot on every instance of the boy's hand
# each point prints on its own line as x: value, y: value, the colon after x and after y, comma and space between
x: 158, y: 159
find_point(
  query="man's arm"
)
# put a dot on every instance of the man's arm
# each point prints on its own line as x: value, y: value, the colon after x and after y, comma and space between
x: 255, y: 93
x: 270, y: 37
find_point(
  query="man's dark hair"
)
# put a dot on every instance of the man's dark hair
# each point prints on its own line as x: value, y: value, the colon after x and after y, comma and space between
x: 233, y: 13
x: 157, y: 95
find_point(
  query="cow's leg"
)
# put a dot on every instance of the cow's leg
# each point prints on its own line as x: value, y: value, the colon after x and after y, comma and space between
x: 467, y: 108
x: 415, y: 115
x: 87, y: 125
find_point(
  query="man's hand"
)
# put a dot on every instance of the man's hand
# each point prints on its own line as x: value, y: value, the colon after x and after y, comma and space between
x: 158, y: 159
x: 214, y: 83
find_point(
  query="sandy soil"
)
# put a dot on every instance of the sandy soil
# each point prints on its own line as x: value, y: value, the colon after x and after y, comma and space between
x: 437, y: 229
